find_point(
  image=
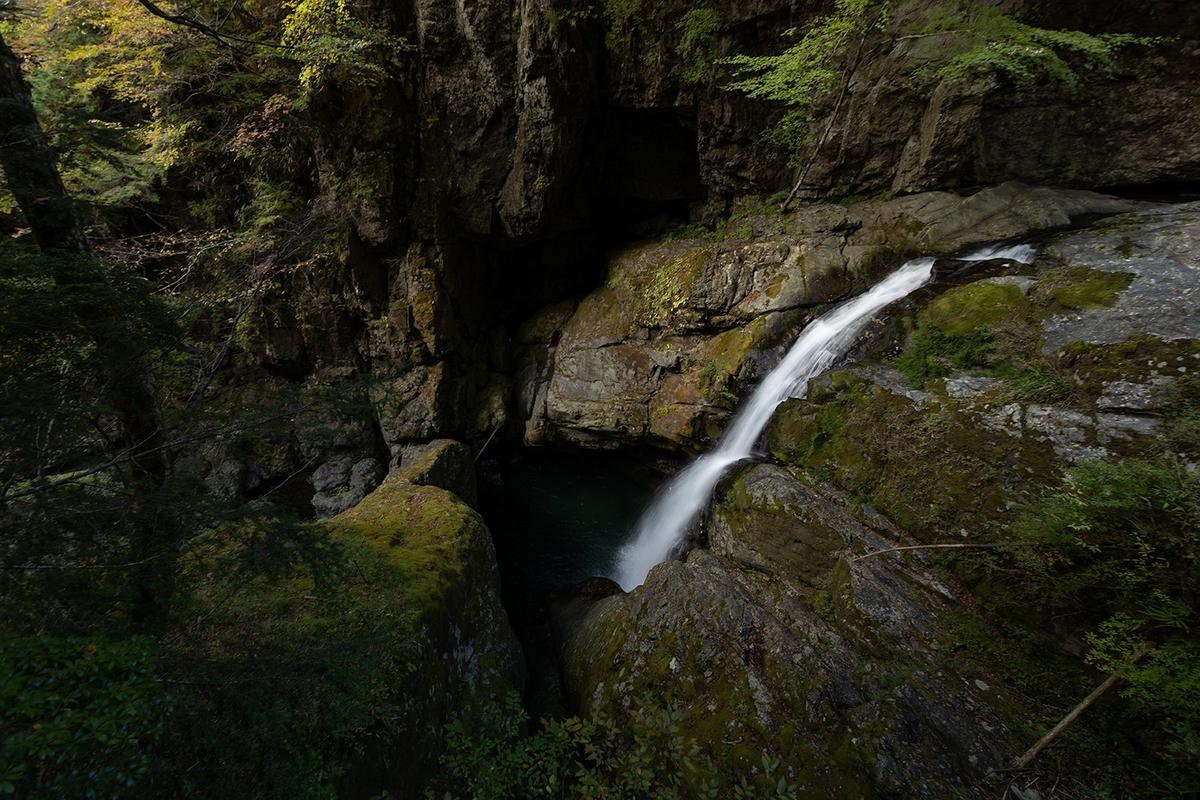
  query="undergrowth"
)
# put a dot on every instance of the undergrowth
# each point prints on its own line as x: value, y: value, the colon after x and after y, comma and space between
x: 508, y: 757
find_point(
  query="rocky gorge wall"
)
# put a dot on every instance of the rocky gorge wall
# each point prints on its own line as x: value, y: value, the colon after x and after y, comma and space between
x: 487, y: 179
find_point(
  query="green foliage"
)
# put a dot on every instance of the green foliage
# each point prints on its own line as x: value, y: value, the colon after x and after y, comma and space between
x: 78, y: 717
x: 95, y: 65
x: 984, y: 45
x: 623, y: 18
x: 59, y: 379
x: 700, y: 27
x: 1120, y: 542
x: 282, y: 682
x: 129, y: 98
x: 332, y: 43
x: 1119, y: 535
x: 993, y: 44
x: 648, y: 758
x: 807, y: 70
x: 693, y: 231
x: 94, y: 543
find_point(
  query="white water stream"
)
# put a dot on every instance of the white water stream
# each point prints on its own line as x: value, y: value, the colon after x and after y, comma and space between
x: 676, y: 506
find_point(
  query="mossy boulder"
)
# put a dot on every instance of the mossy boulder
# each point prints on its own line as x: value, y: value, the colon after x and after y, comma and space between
x: 770, y: 521
x: 614, y: 381
x: 463, y: 654
x: 443, y: 463
x: 755, y: 671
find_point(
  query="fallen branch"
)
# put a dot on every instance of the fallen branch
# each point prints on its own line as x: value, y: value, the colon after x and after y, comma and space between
x: 1042, y: 743
x: 485, y: 444
x: 921, y: 547
x: 1032, y: 752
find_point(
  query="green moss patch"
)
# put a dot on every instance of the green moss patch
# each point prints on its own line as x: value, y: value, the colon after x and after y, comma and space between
x: 1082, y: 288
x: 934, y: 471
x: 1138, y: 359
x: 976, y: 305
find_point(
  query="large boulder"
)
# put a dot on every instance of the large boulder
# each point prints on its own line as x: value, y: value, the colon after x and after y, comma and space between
x: 849, y: 686
x: 443, y: 463
x: 441, y: 571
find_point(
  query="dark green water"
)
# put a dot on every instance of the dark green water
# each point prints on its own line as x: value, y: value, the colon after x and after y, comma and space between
x: 556, y: 519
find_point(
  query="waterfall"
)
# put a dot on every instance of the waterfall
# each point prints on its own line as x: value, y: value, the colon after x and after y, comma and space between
x: 673, y: 510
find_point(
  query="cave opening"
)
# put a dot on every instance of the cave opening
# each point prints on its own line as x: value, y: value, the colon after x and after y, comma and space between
x: 651, y: 174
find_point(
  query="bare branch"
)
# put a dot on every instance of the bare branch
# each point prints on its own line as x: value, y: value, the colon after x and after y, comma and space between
x: 922, y: 547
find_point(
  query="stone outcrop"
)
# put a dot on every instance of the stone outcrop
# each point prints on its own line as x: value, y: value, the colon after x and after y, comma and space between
x: 443, y: 463
x: 439, y: 563
x: 781, y: 639
x: 861, y: 699
x: 1159, y: 248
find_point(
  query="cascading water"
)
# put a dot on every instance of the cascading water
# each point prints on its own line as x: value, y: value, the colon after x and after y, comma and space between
x: 664, y: 523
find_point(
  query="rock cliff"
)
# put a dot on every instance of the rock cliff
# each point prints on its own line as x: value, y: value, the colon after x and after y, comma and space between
x: 487, y: 178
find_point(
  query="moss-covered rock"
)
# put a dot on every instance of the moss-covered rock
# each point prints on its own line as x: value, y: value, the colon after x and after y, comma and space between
x: 444, y: 584
x: 443, y: 463
x: 772, y: 522
x: 980, y: 304
x: 756, y: 672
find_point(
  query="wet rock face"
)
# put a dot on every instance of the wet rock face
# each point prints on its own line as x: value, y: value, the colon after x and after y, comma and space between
x: 509, y: 126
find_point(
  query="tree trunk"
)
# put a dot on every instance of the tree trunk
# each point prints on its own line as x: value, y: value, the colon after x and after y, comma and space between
x: 29, y: 165
x: 32, y: 174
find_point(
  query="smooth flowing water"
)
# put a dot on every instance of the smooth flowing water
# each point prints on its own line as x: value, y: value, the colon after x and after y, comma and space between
x: 677, y: 505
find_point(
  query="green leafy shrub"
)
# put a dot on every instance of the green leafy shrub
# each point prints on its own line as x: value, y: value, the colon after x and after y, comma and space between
x: 78, y: 717
x: 991, y: 43
x: 805, y: 72
x: 700, y: 27
x: 1117, y: 545
x: 1123, y: 535
x: 648, y: 758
